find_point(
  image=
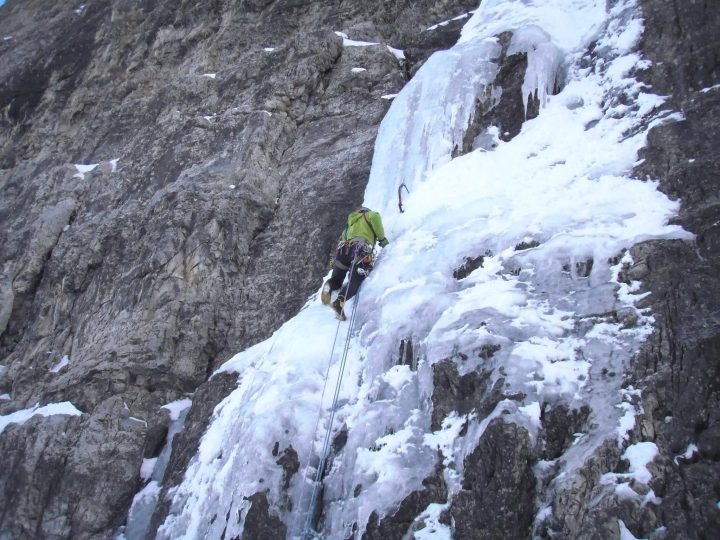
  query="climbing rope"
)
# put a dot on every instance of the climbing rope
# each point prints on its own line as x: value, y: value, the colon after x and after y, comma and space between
x: 319, y: 474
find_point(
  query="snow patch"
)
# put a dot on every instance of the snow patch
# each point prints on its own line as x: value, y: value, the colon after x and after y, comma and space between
x: 631, y: 407
x: 83, y: 169
x: 445, y: 23
x: 358, y: 70
x: 432, y: 528
x: 397, y: 53
x: 689, y: 453
x: 209, y: 75
x: 64, y: 361
x: 177, y: 407
x: 269, y: 49
x: 51, y: 409
x: 5, y: 397
x: 704, y: 90
x: 347, y: 42
x: 532, y: 411
x: 639, y: 455
x: 146, y: 469
x: 625, y: 533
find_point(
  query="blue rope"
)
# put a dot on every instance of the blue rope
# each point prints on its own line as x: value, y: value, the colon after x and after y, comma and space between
x: 317, y: 484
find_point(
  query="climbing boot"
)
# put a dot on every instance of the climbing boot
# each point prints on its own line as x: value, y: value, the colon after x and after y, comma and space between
x: 338, y: 305
x: 325, y: 294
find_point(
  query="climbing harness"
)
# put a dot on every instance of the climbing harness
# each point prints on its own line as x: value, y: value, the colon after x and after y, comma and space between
x: 308, y: 529
x: 362, y: 254
x: 400, y: 202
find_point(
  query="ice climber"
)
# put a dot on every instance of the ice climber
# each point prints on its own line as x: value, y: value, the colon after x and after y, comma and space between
x: 354, y: 252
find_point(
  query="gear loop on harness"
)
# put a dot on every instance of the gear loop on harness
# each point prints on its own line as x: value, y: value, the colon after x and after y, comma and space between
x: 361, y: 253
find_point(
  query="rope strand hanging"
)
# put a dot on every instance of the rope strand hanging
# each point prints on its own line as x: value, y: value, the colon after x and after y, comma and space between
x: 308, y: 528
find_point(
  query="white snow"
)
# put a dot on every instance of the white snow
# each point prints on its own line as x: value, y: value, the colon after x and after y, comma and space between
x: 177, y: 407
x: 445, y: 23
x: 138, y: 420
x: 347, y: 42
x: 5, y: 397
x: 532, y: 411
x: 7, y: 38
x: 689, y: 453
x: 388, y: 96
x: 565, y: 182
x: 114, y: 164
x: 433, y: 529
x: 358, y: 70
x: 627, y: 484
x: 631, y: 405
x: 269, y: 49
x: 22, y: 416
x: 444, y: 438
x: 704, y: 90
x: 397, y: 53
x: 82, y: 169
x: 625, y: 533
x: 639, y: 455
x: 626, y: 422
x: 64, y: 361
x: 210, y: 75
x: 146, y: 469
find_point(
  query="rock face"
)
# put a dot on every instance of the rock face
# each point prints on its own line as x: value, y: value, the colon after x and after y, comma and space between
x: 678, y: 370
x: 218, y: 148
x: 173, y: 176
x: 498, y: 491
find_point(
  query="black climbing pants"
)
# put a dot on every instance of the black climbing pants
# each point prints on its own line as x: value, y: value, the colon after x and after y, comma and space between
x: 343, y: 263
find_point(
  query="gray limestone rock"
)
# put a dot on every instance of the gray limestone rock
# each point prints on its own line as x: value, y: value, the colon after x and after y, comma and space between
x: 261, y: 523
x: 474, y: 391
x: 228, y: 141
x: 497, y: 499
x: 401, y: 522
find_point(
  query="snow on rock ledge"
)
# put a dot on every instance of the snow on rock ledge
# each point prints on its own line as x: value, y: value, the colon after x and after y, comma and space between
x: 22, y: 416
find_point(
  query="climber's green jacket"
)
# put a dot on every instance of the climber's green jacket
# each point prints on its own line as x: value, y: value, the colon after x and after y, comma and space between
x: 364, y: 224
